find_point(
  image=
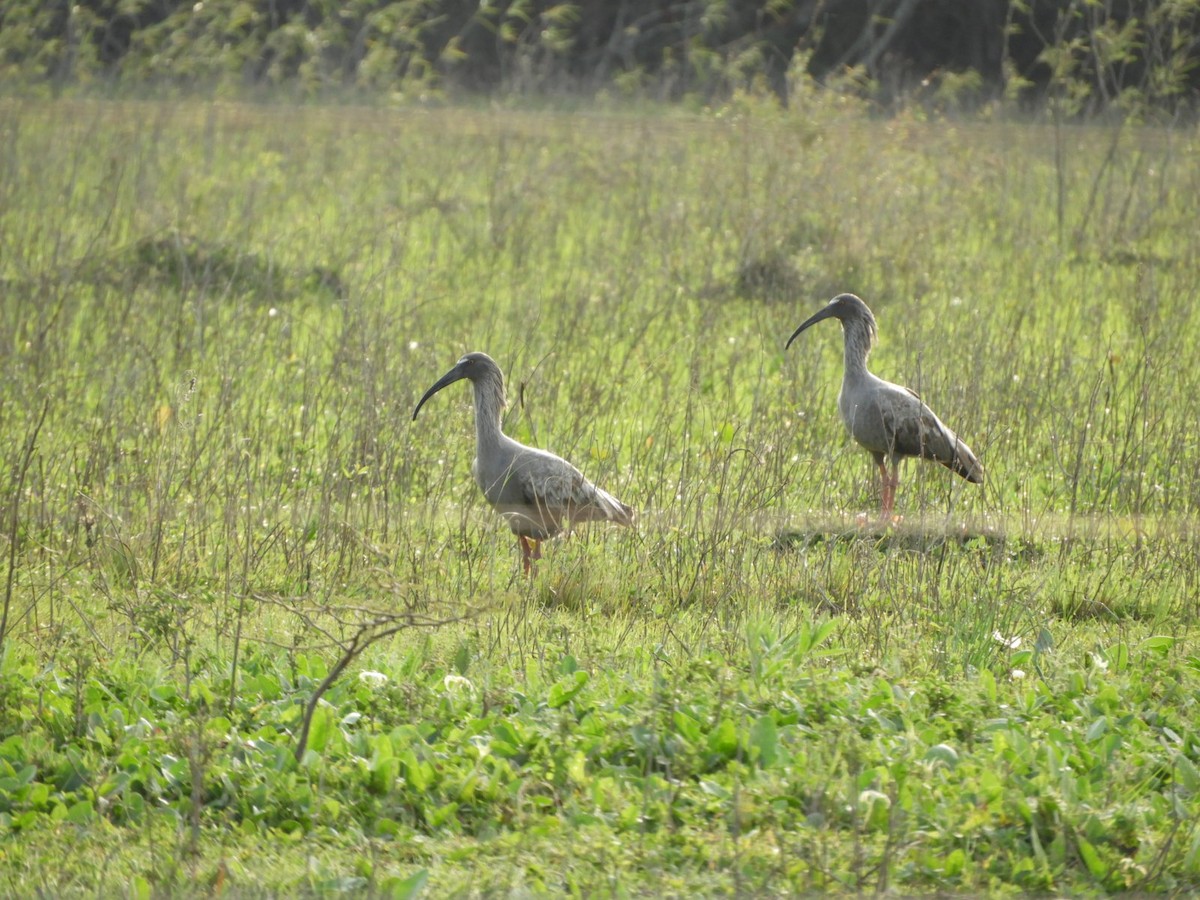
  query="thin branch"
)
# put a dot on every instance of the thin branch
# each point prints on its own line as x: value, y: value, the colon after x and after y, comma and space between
x: 368, y: 626
x: 22, y: 470
x: 361, y: 640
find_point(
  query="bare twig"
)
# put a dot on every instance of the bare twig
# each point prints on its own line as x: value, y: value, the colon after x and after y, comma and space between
x: 367, y: 626
x: 18, y: 485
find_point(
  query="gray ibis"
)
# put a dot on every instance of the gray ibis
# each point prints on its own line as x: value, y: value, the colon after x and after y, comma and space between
x: 535, y: 491
x: 887, y: 419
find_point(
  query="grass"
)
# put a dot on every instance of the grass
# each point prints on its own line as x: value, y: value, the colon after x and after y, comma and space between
x: 217, y: 319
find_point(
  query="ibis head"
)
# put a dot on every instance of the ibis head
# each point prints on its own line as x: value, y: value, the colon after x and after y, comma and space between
x: 478, y: 368
x: 856, y: 318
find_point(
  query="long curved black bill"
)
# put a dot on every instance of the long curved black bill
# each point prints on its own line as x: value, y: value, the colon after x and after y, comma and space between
x: 455, y: 374
x: 811, y: 320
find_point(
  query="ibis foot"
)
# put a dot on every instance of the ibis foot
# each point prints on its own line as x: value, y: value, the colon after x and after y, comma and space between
x: 886, y: 520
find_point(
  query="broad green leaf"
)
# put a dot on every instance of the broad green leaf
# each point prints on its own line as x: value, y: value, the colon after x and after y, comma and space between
x: 1187, y: 773
x: 1044, y: 642
x: 164, y: 693
x: 139, y: 888
x: 1091, y: 858
x: 81, y: 813
x: 822, y: 632
x: 443, y: 814
x: 409, y: 888
x: 1160, y: 645
x: 722, y: 740
x: 713, y: 789
x: 387, y: 827
x: 1191, y: 862
x: 416, y: 773
x: 564, y: 691
x: 687, y: 727
x: 955, y: 863
x: 942, y: 753
x: 322, y: 727
x: 764, y: 738
x: 987, y: 681
x: 874, y: 775
x: 462, y: 659
x: 1118, y: 657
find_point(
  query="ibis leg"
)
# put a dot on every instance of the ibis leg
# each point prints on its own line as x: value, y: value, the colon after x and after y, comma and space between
x: 526, y: 553
x: 531, y: 551
x: 890, y: 479
x: 887, y: 496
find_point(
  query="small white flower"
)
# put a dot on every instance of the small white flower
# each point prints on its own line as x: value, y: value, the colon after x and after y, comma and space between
x: 457, y: 683
x: 372, y: 679
x: 1018, y: 674
x: 1012, y: 643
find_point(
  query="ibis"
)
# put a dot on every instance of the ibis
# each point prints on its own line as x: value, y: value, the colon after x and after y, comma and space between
x: 887, y: 419
x: 534, y: 491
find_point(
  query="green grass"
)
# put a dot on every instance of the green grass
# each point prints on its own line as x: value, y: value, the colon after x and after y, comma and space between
x: 217, y: 319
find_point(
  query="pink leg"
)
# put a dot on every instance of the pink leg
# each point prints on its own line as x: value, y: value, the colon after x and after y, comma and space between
x: 891, y: 481
x: 531, y: 551
x: 888, y: 491
x: 526, y: 553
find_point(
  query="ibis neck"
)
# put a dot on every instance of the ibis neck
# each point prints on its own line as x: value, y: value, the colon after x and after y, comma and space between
x: 489, y: 407
x: 857, y: 349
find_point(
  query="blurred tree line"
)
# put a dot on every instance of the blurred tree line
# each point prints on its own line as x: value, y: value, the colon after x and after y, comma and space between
x: 1089, y: 54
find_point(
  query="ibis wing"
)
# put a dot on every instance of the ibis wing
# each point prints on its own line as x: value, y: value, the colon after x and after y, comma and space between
x: 917, y: 431
x: 556, y: 486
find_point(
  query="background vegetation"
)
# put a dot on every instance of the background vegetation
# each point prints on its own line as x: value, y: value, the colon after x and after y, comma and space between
x: 936, y: 53
x: 260, y: 634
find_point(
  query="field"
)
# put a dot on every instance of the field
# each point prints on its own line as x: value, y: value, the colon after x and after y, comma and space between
x: 262, y: 635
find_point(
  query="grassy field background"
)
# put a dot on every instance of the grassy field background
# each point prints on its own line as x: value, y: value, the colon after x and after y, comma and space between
x: 218, y: 317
